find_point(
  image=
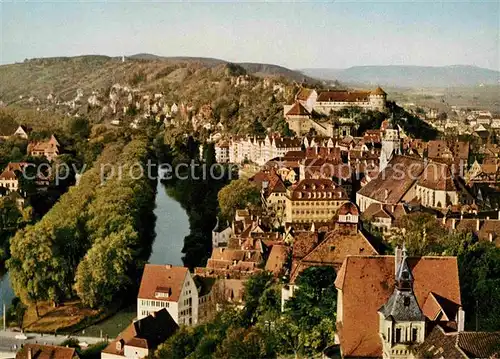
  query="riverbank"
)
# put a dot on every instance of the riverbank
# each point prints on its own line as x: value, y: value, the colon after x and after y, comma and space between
x: 171, y: 227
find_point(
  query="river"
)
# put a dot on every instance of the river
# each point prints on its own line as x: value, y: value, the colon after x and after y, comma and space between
x: 172, y: 225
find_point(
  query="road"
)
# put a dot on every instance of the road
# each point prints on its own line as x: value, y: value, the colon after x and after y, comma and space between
x: 8, y: 340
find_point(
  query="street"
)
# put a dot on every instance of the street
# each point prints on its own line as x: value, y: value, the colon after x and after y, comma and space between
x: 8, y: 341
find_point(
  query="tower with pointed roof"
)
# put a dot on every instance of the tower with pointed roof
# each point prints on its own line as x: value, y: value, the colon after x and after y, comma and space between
x: 378, y: 99
x: 402, y: 322
x: 391, y: 142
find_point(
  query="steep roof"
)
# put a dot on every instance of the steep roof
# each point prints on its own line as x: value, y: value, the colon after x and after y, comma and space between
x: 39, y: 351
x: 304, y: 94
x: 343, y: 96
x: 379, y: 91
x: 375, y: 275
x: 146, y: 333
x: 438, y: 177
x: 395, y: 180
x: 440, y: 344
x: 317, y: 189
x: 297, y: 110
x: 277, y: 258
x: 337, y: 245
x: 158, y: 277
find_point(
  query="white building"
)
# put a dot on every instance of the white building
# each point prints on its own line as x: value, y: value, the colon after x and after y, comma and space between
x: 169, y: 287
x: 261, y: 150
x: 222, y: 152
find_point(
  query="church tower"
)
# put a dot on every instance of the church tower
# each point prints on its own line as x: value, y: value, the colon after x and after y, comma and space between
x: 391, y: 142
x: 402, y: 322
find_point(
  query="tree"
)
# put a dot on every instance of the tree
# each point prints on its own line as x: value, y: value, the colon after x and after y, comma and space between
x: 237, y: 195
x: 313, y: 307
x: 255, y: 287
x: 421, y: 233
x: 245, y: 344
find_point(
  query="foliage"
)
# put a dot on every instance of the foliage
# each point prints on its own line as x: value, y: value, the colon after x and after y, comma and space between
x: 94, y: 240
x: 238, y: 194
x: 421, y: 233
x: 312, y: 310
x: 72, y: 343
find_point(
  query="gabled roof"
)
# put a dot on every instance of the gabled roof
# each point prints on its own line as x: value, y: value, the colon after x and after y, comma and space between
x: 438, y: 177
x: 157, y: 277
x: 395, y: 180
x: 338, y: 244
x: 277, y: 258
x: 343, y: 96
x: 297, y: 110
x: 146, y: 333
x: 304, y: 94
x: 39, y: 351
x: 456, y: 345
x: 360, y: 275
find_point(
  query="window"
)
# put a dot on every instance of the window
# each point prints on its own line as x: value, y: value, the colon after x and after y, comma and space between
x: 414, y: 334
x: 398, y: 335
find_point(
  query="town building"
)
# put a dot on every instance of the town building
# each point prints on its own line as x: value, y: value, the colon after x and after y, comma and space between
x: 261, y: 150
x: 441, y: 343
x: 407, y: 179
x: 314, y: 200
x: 222, y: 152
x: 39, y: 351
x: 9, y: 178
x: 141, y: 338
x: 388, y: 312
x: 50, y: 149
x: 169, y: 287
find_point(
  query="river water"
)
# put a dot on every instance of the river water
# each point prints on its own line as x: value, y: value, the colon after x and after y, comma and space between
x: 172, y: 225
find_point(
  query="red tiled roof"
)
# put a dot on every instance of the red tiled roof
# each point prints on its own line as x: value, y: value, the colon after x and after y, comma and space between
x: 347, y: 208
x: 39, y: 351
x: 343, y: 96
x: 146, y: 333
x: 162, y: 276
x: 277, y: 258
x: 437, y: 176
x: 304, y: 94
x: 333, y: 250
x: 297, y: 110
x: 360, y: 275
x: 395, y: 180
x: 317, y: 189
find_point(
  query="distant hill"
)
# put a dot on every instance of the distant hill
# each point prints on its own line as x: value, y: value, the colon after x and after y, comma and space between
x: 410, y: 76
x: 253, y: 68
x: 62, y: 76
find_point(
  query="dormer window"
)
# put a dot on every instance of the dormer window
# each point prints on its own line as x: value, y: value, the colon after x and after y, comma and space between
x: 119, y: 345
x: 163, y: 292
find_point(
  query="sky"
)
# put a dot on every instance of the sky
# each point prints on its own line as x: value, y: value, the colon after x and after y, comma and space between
x: 296, y: 35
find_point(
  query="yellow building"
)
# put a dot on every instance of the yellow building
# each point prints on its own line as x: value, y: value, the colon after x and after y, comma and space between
x: 314, y: 200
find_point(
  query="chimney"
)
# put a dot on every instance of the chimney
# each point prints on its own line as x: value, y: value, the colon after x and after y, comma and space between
x: 30, y: 354
x: 168, y: 266
x: 478, y: 224
x: 398, y: 256
x: 461, y: 320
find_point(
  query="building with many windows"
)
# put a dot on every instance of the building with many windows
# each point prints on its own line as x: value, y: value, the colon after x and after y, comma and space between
x: 169, y: 287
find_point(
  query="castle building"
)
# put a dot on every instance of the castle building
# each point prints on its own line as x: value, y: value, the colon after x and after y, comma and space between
x: 299, y: 114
